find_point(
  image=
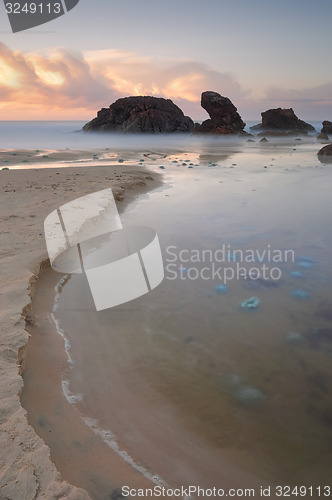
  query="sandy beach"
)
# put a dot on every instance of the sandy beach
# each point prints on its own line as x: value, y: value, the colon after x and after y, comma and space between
x: 27, y: 197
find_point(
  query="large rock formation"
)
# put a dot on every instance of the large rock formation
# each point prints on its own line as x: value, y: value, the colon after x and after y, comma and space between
x: 327, y: 127
x: 224, y: 118
x: 283, y: 119
x: 141, y: 114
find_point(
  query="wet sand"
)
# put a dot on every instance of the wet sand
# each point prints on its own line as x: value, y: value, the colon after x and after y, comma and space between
x: 82, y: 457
x: 27, y: 197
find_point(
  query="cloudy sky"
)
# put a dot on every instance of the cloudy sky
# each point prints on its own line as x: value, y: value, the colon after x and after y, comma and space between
x: 259, y: 53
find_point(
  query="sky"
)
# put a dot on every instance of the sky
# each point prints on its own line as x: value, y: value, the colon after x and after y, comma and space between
x: 260, y: 53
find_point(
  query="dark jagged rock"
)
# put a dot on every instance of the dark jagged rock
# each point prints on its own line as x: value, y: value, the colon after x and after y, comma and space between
x: 140, y: 114
x: 327, y: 127
x: 277, y: 133
x: 326, y: 151
x: 224, y: 118
x: 283, y: 119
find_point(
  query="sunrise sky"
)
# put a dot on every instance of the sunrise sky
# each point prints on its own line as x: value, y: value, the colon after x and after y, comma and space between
x: 259, y: 53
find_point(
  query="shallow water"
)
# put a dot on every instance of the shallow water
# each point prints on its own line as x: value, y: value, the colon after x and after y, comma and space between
x: 188, y: 381
x: 235, y: 378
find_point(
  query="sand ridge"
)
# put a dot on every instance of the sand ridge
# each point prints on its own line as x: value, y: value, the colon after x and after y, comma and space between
x: 27, y: 197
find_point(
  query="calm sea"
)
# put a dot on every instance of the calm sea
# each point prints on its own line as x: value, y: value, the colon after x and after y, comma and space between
x: 68, y: 134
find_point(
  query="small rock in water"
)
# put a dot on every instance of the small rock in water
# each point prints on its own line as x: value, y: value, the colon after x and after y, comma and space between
x: 249, y: 395
x: 221, y: 288
x: 45, y: 156
x: 301, y: 295
x: 264, y: 139
x: 162, y: 167
x: 251, y: 303
x: 5, y: 168
x: 294, y: 338
x: 120, y: 160
x: 116, y: 494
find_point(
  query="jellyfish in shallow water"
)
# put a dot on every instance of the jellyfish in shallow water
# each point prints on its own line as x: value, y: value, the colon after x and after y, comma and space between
x: 251, y: 303
x: 304, y: 264
x: 296, y: 274
x: 305, y: 261
x: 249, y: 395
x: 301, y: 295
x: 306, y: 258
x: 294, y: 338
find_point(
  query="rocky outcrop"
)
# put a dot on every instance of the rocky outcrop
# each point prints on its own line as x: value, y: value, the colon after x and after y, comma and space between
x: 326, y: 151
x: 283, y: 119
x: 322, y: 137
x: 224, y: 118
x: 277, y: 133
x: 327, y: 127
x: 140, y: 114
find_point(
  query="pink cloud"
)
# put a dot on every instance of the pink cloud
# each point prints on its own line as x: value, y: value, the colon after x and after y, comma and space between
x: 63, y: 84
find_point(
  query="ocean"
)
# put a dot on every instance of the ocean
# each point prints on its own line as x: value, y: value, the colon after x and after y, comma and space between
x: 68, y: 134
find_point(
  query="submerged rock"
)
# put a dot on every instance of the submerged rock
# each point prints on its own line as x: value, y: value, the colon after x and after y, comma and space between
x: 224, y: 118
x: 141, y: 114
x: 327, y: 127
x: 282, y: 119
